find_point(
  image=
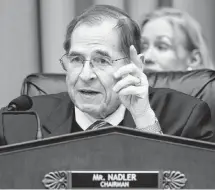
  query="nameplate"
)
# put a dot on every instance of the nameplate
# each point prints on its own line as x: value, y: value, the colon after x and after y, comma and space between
x: 115, y: 179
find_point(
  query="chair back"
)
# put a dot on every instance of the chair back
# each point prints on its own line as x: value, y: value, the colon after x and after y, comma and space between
x: 199, y: 83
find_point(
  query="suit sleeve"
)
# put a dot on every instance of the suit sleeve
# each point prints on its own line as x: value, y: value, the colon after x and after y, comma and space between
x: 199, y: 124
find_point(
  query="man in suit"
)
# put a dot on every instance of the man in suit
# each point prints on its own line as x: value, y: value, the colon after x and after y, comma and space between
x: 106, y: 82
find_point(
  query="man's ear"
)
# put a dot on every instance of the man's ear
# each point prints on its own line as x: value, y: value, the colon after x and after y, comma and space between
x: 195, y: 59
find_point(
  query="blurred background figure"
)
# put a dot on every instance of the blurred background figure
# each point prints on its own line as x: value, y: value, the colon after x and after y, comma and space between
x: 173, y: 41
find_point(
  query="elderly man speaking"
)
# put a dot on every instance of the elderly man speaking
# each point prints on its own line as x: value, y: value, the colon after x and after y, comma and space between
x: 107, y: 85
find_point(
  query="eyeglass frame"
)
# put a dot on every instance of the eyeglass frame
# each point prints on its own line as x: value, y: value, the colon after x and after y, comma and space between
x: 61, y: 60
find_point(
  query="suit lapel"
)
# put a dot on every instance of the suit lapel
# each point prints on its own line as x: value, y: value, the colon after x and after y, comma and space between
x: 59, y: 121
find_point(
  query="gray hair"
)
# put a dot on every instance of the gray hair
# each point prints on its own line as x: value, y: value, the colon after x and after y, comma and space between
x: 129, y: 31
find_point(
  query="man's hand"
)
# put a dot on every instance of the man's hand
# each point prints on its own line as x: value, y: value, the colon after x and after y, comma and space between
x: 133, y: 86
x: 133, y: 93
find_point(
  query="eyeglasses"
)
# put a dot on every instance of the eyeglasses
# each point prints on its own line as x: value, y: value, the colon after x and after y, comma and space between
x: 77, y: 62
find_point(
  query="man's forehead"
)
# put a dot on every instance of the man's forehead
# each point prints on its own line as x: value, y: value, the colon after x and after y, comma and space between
x: 103, y: 33
x: 107, y: 24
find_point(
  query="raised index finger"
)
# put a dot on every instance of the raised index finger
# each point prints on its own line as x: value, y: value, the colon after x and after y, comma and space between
x: 135, y: 58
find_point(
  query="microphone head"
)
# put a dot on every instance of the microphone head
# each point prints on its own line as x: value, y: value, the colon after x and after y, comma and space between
x: 22, y: 103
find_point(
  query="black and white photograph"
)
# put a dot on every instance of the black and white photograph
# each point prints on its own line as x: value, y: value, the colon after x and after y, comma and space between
x: 107, y: 94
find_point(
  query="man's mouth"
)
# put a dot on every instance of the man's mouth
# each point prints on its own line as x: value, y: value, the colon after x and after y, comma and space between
x: 89, y: 92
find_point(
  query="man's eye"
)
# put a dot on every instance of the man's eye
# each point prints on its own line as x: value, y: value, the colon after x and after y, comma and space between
x: 76, y: 59
x: 101, y: 61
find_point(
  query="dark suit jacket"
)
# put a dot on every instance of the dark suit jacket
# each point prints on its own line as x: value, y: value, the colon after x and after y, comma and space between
x: 177, y: 113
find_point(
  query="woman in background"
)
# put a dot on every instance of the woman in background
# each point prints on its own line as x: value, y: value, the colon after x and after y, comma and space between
x: 173, y: 41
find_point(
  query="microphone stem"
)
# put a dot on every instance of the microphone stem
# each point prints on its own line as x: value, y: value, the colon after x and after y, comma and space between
x: 39, y: 130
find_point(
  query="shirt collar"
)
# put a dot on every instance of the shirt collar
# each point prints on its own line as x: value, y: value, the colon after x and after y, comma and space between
x: 85, y: 120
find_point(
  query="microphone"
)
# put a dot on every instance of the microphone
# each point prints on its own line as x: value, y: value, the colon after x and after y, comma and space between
x: 22, y: 103
x: 19, y: 123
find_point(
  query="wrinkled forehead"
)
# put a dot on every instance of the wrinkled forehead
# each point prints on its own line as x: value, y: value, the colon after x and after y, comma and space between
x: 88, y: 37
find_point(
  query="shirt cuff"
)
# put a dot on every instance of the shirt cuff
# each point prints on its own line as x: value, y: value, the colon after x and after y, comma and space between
x: 153, y: 128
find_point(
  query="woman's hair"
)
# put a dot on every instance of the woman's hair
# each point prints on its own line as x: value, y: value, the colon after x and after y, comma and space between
x: 189, y: 26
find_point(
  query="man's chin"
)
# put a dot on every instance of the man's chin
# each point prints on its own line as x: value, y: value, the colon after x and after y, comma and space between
x: 95, y: 111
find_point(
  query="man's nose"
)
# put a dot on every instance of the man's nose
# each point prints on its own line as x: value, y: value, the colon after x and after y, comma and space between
x: 87, y: 72
x: 149, y: 56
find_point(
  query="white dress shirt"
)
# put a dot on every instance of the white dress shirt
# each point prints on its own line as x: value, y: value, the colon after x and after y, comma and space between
x: 84, y: 120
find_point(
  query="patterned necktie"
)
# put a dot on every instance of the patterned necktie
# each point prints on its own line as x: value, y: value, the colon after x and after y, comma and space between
x: 98, y: 124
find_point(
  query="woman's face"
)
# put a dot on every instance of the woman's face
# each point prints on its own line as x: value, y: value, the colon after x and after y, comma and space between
x: 163, y: 47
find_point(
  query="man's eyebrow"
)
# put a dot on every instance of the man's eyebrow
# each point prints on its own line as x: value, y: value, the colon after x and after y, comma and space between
x: 75, y: 53
x: 103, y: 53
